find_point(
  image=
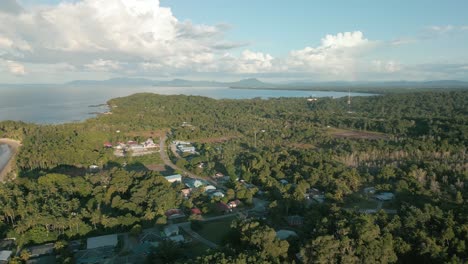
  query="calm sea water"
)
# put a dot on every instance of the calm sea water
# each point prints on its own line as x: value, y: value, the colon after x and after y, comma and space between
x: 52, y: 105
x: 5, y: 153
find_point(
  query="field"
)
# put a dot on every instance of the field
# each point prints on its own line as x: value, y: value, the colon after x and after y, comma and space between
x: 216, y: 231
x: 355, y: 134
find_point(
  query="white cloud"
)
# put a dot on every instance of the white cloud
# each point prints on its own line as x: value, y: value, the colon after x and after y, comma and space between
x: 337, y: 54
x: 444, y: 29
x: 119, y: 30
x: 386, y: 66
x: 103, y: 65
x: 254, y: 62
x: 441, y: 29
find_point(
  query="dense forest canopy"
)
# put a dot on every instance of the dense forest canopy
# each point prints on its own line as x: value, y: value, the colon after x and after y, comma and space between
x: 413, y: 145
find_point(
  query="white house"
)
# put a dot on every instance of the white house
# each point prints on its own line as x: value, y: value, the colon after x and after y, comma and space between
x: 209, y: 188
x: 174, y: 178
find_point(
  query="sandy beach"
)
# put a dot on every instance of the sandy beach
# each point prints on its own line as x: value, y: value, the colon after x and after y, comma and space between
x: 14, y: 145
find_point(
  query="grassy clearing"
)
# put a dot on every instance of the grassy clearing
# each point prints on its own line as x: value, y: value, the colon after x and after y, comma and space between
x: 355, y: 134
x: 360, y: 201
x: 216, y: 231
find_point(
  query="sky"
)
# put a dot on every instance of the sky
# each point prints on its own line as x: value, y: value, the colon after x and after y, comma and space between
x: 54, y: 41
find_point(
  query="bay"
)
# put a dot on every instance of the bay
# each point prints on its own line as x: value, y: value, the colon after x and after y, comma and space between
x: 62, y: 104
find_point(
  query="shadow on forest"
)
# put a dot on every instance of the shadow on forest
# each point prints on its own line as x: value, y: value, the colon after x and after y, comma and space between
x: 61, y: 169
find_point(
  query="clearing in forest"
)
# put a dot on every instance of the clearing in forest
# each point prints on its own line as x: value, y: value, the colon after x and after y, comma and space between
x: 355, y: 134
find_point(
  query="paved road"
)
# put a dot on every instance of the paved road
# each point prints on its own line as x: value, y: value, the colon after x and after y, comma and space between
x: 168, y: 162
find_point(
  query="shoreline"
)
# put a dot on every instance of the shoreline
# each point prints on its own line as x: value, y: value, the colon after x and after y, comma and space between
x: 14, y: 146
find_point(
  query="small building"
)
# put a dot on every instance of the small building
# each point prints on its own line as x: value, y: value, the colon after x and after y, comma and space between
x: 41, y: 250
x: 102, y: 241
x: 5, y: 256
x: 195, y: 211
x: 285, y: 234
x: 218, y: 175
x: 223, y: 208
x: 171, y: 230
x: 216, y: 194
x: 320, y: 198
x: 149, y: 143
x: 385, y: 196
x: 295, y: 220
x: 193, y: 183
x: 177, y: 239
x: 185, y: 192
x: 94, y: 168
x: 186, y: 149
x: 234, y: 203
x: 284, y: 182
x: 108, y: 145
x: 174, y: 213
x: 136, y: 147
x: 174, y: 178
x: 369, y: 190
x: 209, y: 188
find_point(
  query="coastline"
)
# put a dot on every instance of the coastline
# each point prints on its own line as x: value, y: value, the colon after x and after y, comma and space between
x: 14, y: 146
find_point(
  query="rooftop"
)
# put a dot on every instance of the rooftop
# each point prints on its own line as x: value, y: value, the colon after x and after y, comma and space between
x: 102, y: 241
x: 5, y: 255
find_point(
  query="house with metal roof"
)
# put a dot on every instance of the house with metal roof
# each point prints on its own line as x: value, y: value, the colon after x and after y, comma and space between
x: 174, y: 178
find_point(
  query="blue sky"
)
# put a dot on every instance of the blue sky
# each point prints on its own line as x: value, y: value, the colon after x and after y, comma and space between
x: 277, y: 40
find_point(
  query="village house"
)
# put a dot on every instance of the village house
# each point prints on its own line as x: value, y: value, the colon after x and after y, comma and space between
x: 295, y: 220
x: 209, y: 188
x: 284, y: 182
x: 5, y: 256
x: 193, y: 183
x: 216, y: 194
x: 171, y: 230
x: 174, y: 213
x: 218, y: 175
x: 195, y: 211
x: 223, y: 208
x: 369, y: 190
x: 234, y: 203
x: 186, y: 192
x: 385, y: 196
x: 174, y: 178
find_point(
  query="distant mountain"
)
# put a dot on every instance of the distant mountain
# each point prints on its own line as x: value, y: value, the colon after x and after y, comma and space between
x: 251, y: 83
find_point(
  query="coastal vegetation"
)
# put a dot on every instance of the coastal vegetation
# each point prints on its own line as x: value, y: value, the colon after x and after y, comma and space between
x: 412, y: 145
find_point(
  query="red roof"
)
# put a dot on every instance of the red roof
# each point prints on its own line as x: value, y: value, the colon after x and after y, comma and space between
x: 196, y: 211
x: 171, y: 212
